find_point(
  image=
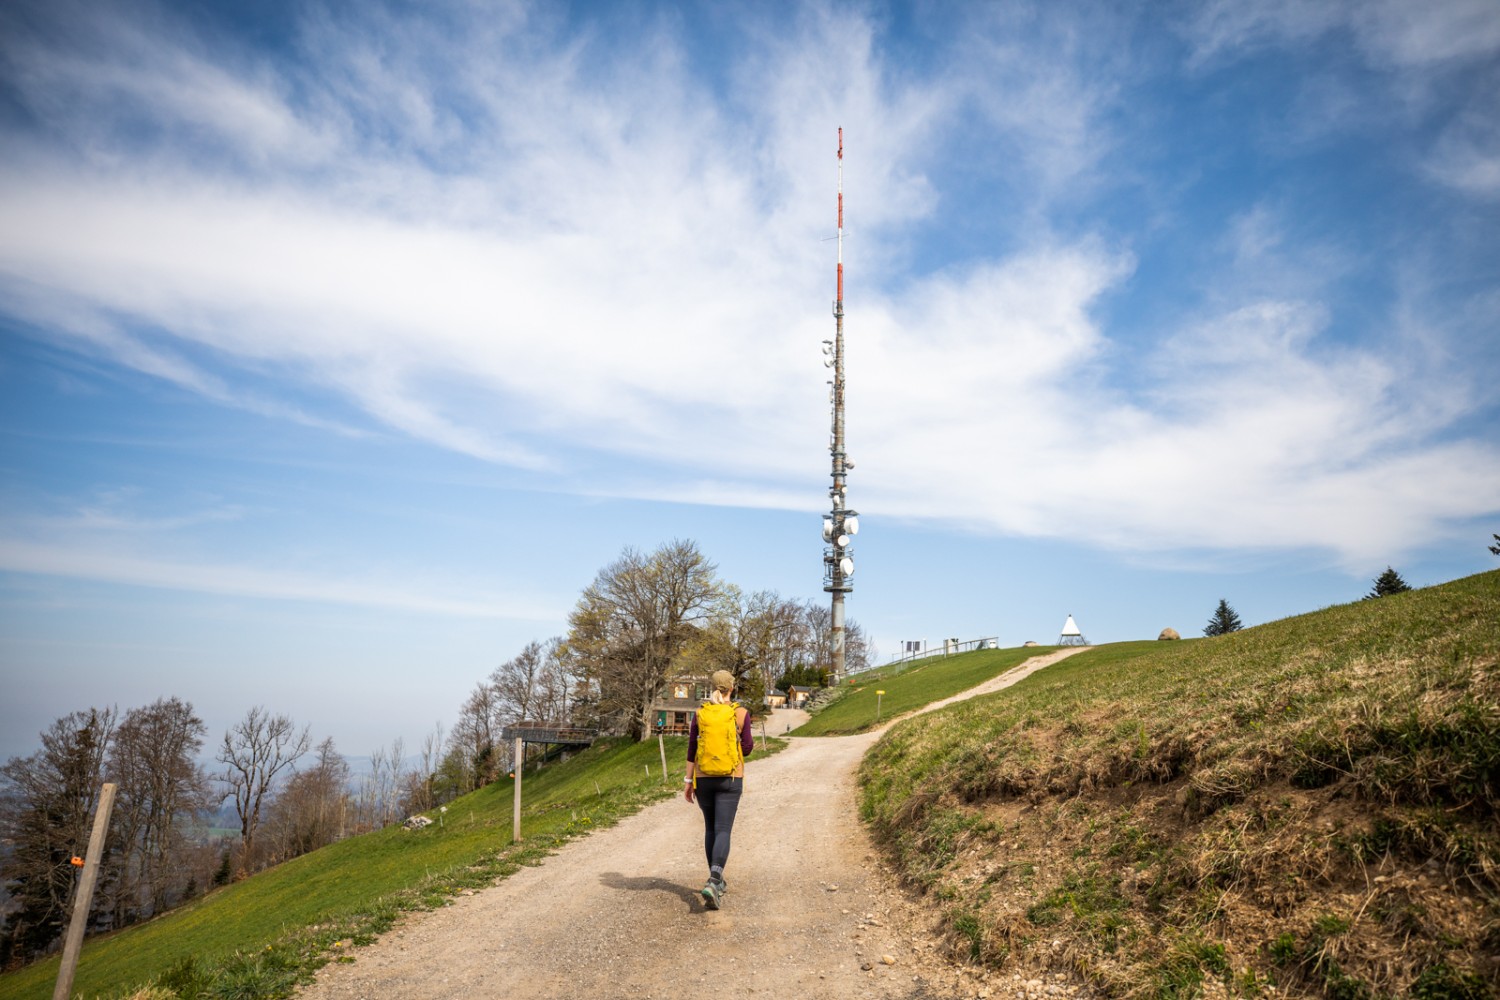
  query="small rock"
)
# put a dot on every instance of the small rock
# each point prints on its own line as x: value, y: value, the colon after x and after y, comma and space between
x: 888, y: 959
x: 866, y: 966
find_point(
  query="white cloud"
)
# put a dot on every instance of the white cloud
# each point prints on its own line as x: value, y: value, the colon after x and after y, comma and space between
x: 1436, y: 31
x: 93, y: 560
x: 1466, y: 155
x: 514, y: 245
x: 1390, y: 33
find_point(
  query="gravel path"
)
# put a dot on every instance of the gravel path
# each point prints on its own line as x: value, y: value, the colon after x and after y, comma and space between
x: 810, y: 912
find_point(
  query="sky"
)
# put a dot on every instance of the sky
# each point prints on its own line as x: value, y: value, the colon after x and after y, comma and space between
x: 342, y: 344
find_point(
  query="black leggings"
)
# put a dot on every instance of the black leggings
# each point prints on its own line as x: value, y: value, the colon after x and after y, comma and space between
x: 719, y: 798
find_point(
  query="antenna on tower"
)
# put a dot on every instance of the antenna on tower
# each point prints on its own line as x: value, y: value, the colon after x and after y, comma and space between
x: 842, y: 523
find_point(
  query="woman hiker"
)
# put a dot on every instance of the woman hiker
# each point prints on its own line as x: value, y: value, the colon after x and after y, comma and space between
x: 719, y: 737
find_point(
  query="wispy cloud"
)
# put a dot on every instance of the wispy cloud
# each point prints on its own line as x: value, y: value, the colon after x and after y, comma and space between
x: 90, y: 560
x: 512, y: 240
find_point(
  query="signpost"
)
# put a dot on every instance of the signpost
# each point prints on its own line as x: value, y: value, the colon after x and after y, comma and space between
x: 878, y: 696
x: 519, y: 760
x: 85, y: 898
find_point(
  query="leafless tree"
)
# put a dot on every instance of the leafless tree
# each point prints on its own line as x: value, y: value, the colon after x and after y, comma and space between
x: 377, y: 802
x: 556, y: 683
x: 255, y: 751
x: 632, y: 621
x: 154, y: 760
x: 311, y: 809
x: 47, y: 803
x: 517, y: 683
x: 417, y: 795
x: 819, y: 650
x: 473, y: 741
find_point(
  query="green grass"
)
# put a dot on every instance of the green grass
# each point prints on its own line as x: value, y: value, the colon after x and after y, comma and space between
x: 1189, y: 808
x: 261, y: 936
x: 912, y: 686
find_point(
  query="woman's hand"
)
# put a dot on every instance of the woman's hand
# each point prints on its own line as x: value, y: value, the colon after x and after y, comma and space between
x: 687, y: 790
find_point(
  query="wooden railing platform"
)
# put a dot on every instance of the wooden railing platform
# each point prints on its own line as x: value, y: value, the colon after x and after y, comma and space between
x: 570, y: 735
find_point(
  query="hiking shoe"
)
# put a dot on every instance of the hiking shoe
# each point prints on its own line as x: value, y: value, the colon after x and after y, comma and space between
x: 723, y: 886
x: 711, y: 894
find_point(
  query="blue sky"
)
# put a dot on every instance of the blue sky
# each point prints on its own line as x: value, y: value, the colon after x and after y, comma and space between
x: 342, y: 344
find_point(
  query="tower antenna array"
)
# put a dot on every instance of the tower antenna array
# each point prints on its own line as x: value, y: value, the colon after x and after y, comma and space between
x: 842, y: 523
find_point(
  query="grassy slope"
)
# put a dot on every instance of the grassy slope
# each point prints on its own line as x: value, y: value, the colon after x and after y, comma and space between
x: 1313, y: 803
x: 911, y: 686
x: 256, y: 937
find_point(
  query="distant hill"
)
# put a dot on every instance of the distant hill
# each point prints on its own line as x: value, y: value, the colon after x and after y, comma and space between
x: 1311, y: 805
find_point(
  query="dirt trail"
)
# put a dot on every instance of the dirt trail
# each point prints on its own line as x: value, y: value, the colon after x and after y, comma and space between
x: 810, y: 913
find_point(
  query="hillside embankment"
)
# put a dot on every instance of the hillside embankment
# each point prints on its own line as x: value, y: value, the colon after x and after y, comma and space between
x: 1307, y: 808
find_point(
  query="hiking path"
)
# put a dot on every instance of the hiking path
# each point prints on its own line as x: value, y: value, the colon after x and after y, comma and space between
x: 811, y: 911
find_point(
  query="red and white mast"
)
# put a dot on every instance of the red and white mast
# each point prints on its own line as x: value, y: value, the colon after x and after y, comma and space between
x: 842, y: 523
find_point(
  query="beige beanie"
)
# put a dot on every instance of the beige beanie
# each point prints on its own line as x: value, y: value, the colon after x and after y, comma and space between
x: 723, y: 681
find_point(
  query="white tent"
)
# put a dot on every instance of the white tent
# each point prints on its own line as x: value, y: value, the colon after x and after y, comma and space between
x: 1071, y: 636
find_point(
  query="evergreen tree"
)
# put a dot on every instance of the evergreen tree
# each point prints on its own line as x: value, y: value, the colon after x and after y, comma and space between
x: 1224, y: 620
x: 1387, y: 583
x: 1496, y: 547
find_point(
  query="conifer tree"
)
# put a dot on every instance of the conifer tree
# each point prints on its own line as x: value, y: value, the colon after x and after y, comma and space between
x: 1224, y: 620
x: 1496, y: 547
x: 1387, y: 583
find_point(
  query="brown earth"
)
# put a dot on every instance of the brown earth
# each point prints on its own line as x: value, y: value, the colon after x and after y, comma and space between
x: 811, y: 911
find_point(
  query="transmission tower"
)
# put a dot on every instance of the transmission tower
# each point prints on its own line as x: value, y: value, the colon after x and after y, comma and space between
x: 842, y: 523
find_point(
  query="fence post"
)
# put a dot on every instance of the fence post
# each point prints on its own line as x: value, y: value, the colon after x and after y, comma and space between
x: 85, y: 898
x: 661, y: 744
x: 520, y: 759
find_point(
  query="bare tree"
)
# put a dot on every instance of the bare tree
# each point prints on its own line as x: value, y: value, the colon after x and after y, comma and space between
x: 517, y: 684
x: 472, y: 743
x: 154, y: 760
x: 377, y: 802
x: 818, y: 649
x: 311, y: 809
x: 632, y: 621
x: 554, y: 683
x: 47, y: 802
x: 418, y: 791
x: 255, y: 750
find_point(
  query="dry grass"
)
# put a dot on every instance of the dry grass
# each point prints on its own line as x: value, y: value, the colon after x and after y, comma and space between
x: 1312, y: 805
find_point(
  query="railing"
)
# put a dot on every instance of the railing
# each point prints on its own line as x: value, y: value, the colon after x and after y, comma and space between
x: 950, y: 647
x: 549, y: 734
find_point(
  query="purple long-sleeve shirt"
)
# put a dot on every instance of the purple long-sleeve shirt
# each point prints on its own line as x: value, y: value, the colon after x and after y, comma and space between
x: 747, y: 738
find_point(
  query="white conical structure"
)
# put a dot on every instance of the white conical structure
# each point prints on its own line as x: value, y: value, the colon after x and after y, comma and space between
x: 1071, y: 636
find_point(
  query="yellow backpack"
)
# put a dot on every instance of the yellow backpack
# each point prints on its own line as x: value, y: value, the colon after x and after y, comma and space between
x: 718, y: 741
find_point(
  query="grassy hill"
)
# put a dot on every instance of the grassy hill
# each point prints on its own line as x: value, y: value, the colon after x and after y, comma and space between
x: 910, y: 686
x: 1306, y: 808
x: 257, y: 938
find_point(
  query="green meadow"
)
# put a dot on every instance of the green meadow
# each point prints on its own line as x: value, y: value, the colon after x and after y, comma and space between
x: 912, y: 686
x: 1309, y: 807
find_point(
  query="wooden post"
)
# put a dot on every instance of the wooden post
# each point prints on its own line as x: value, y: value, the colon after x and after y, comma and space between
x: 519, y: 760
x: 85, y: 898
x: 661, y: 744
